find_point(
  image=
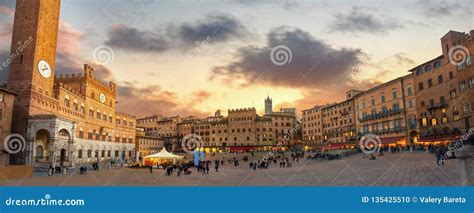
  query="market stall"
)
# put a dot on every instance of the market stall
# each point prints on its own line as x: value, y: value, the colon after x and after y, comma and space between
x: 160, y: 158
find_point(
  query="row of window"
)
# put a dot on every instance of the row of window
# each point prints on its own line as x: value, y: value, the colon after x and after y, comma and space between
x: 102, y: 154
x: 312, y: 131
x: 421, y: 85
x: 311, y: 124
x: 334, y: 112
x: 241, y: 119
x: 92, y: 136
x: 383, y: 99
x: 464, y: 85
x: 311, y: 117
x: 98, y: 114
x: 334, y: 123
x: 428, y: 68
x: 395, y: 124
x: 395, y: 107
x: 306, y: 112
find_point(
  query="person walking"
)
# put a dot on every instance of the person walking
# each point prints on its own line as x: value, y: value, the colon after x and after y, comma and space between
x: 438, y: 153
x: 443, y: 155
x: 151, y: 169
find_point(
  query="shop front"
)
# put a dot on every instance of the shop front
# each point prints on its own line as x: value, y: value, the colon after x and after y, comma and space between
x: 425, y: 142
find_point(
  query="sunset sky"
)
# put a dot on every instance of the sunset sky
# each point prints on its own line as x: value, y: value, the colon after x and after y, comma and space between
x: 194, y: 57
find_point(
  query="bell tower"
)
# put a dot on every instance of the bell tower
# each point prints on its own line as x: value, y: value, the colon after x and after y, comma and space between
x: 33, y: 49
x: 33, y: 56
x: 268, y: 106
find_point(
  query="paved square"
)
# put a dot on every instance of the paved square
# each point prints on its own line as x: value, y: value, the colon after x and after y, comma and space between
x: 403, y: 169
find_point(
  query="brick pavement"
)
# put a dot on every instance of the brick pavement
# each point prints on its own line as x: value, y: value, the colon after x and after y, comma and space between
x: 403, y: 169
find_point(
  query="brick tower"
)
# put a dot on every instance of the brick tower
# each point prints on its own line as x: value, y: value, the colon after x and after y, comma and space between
x: 31, y: 72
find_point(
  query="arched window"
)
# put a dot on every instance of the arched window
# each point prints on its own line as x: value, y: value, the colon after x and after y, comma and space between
x: 91, y: 112
x: 428, y: 68
x: 419, y: 71
x: 39, y: 152
x: 75, y: 105
x: 66, y: 101
x: 81, y: 133
x: 90, y: 135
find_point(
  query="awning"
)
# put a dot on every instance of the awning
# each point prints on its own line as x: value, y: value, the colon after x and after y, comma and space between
x: 389, y: 140
x: 164, y: 155
x: 334, y: 146
x: 445, y: 138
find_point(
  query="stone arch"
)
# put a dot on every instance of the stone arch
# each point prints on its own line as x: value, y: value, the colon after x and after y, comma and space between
x: 64, y: 142
x: 43, y: 144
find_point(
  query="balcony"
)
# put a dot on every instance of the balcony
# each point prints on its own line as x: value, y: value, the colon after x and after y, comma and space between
x: 382, y: 131
x: 437, y: 106
x: 383, y: 114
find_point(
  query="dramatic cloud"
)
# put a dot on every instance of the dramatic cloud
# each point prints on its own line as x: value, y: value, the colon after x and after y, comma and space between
x: 285, y: 4
x: 313, y: 62
x: 133, y: 39
x: 402, y: 58
x: 374, y: 72
x: 218, y: 27
x: 323, y: 74
x: 143, y: 101
x: 360, y: 20
x: 68, y: 51
x: 436, y: 8
x: 200, y: 96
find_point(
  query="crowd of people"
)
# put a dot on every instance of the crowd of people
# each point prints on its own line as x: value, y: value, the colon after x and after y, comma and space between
x: 278, y: 159
x: 322, y: 155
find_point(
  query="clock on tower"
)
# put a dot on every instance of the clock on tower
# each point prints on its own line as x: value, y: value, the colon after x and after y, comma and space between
x: 35, y: 20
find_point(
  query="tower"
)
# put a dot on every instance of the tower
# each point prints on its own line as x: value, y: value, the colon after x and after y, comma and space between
x: 34, y: 40
x: 33, y: 54
x: 268, y: 106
